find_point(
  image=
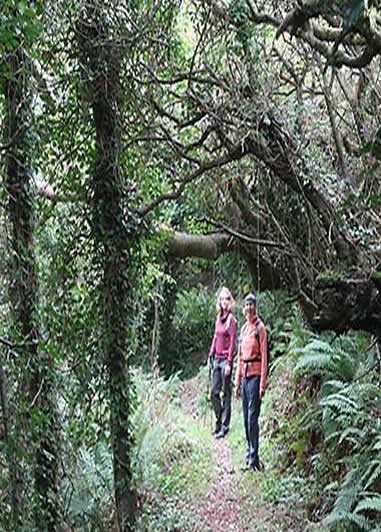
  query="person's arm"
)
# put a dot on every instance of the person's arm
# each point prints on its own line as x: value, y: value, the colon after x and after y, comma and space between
x: 238, y: 372
x: 212, y: 350
x: 263, y: 352
x: 232, y: 335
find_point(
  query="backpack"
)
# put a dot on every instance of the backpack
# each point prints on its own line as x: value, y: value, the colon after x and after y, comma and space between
x: 259, y: 321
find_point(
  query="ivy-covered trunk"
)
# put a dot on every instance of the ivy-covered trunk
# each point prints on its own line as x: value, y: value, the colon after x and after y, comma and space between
x: 110, y: 207
x: 34, y: 414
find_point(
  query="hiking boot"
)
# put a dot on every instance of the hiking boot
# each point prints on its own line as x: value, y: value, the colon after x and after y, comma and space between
x: 251, y: 466
x: 222, y: 433
x: 216, y: 431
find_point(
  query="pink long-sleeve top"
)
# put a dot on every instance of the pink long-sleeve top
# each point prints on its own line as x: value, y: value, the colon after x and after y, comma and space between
x: 224, y: 338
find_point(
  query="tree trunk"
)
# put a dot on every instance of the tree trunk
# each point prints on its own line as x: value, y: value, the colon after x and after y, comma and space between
x: 24, y: 293
x: 11, y: 456
x: 113, y: 234
x: 338, y: 304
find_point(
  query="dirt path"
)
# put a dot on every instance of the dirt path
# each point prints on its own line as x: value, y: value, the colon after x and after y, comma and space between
x: 219, y: 510
x: 228, y: 505
x: 220, y: 507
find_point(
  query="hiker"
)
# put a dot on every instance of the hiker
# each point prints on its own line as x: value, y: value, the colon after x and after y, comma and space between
x: 220, y: 361
x: 252, y: 371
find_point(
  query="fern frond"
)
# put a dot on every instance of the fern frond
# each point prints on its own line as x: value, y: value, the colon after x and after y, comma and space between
x: 314, y: 361
x: 377, y: 443
x: 372, y: 504
x: 343, y: 517
x: 349, y: 492
x: 362, y: 393
x: 318, y: 345
x: 352, y: 434
x: 341, y: 403
x: 324, y: 358
x: 335, y: 384
x: 345, y: 364
x: 373, y: 472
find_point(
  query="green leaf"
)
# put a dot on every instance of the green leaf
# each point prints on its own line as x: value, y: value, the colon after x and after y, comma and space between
x: 352, y: 13
x: 369, y: 504
x: 375, y: 201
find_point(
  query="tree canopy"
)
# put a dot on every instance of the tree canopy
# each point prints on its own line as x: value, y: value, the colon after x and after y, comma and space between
x: 280, y: 109
x: 136, y: 131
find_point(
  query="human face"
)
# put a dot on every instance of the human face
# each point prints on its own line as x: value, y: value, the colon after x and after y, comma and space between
x: 249, y: 310
x: 225, y: 301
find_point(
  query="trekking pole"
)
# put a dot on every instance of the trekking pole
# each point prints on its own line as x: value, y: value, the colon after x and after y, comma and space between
x: 211, y: 367
x: 207, y: 399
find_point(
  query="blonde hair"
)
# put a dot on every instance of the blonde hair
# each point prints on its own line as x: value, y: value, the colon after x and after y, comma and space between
x: 224, y: 292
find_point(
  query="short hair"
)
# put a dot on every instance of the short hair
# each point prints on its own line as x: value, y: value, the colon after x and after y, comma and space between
x: 251, y: 297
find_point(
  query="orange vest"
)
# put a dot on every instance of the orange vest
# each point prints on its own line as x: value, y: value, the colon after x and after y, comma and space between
x: 252, y: 354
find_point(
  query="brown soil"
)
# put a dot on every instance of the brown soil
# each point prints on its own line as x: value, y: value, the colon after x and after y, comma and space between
x: 228, y: 506
x: 219, y: 509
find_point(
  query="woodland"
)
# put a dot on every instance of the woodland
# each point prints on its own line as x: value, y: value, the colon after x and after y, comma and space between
x: 152, y: 151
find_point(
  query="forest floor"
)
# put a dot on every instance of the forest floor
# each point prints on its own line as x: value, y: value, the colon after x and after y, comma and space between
x: 228, y: 505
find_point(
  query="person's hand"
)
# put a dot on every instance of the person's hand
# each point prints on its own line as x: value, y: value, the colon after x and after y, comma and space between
x: 261, y: 393
x: 227, y: 369
x: 237, y: 392
x: 209, y: 363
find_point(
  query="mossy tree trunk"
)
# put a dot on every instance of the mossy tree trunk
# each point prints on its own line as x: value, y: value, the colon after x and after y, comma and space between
x: 35, y: 419
x: 114, y: 234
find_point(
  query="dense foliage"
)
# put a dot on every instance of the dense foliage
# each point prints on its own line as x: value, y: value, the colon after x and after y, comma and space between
x: 136, y: 131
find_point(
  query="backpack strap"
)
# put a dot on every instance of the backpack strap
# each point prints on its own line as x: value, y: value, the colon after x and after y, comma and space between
x: 257, y: 325
x: 227, y: 327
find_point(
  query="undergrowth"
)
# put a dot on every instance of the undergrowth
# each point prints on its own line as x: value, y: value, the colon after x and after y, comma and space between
x: 325, y: 423
x: 173, y: 456
x: 320, y: 443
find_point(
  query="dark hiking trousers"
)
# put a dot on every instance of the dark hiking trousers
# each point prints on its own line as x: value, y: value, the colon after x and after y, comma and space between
x: 251, y: 405
x: 221, y: 383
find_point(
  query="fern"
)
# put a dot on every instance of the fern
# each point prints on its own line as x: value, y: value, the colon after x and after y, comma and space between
x: 346, y: 412
x: 373, y: 472
x: 347, y: 518
x: 316, y: 354
x: 315, y: 361
x: 370, y: 504
x: 333, y: 385
x: 349, y: 497
x: 351, y: 434
x: 325, y: 359
x: 377, y: 444
x: 341, y: 403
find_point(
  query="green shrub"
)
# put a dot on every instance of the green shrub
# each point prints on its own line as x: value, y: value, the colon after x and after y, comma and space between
x: 172, y: 454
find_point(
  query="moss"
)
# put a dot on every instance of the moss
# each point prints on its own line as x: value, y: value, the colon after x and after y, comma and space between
x: 329, y: 276
x: 376, y: 278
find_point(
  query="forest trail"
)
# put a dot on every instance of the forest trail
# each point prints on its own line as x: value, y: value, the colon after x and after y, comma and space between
x: 221, y: 505
x: 220, y: 508
x: 228, y: 506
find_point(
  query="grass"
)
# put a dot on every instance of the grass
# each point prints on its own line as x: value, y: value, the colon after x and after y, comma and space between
x: 175, y: 464
x: 176, y: 456
x: 274, y: 498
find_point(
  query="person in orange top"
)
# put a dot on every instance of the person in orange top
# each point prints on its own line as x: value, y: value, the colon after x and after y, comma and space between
x: 251, y: 372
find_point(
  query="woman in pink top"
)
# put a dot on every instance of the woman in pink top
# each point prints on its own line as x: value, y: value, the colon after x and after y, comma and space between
x: 220, y: 361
